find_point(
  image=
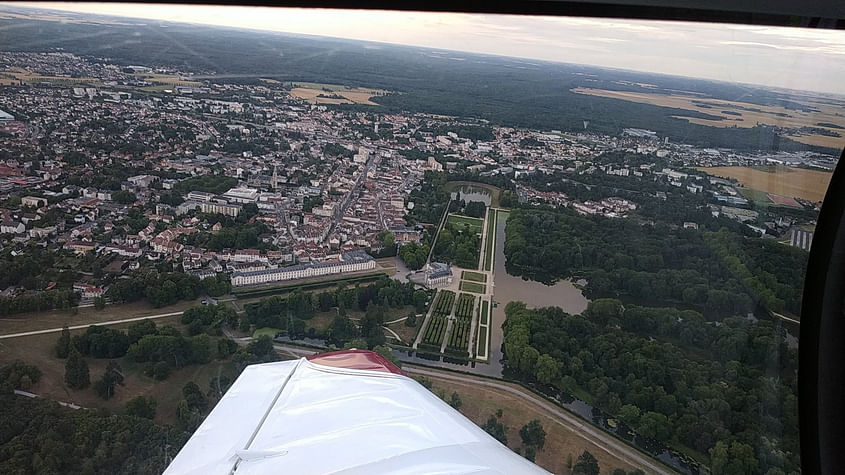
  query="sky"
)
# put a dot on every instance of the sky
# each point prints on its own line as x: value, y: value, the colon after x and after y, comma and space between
x: 795, y: 58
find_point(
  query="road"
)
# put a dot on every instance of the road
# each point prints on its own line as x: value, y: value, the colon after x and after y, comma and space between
x: 78, y: 327
x: 603, y: 440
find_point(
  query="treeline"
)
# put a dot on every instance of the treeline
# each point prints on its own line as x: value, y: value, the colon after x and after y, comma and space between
x: 240, y: 236
x: 474, y: 209
x: 727, y: 391
x: 39, y: 436
x: 679, y: 206
x: 292, y: 312
x: 160, y: 349
x: 216, y: 184
x: 33, y: 268
x: 159, y: 289
x: 39, y: 301
x: 718, y: 273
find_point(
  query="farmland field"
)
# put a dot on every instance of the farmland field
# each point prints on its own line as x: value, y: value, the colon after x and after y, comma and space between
x: 314, y: 92
x: 744, y: 114
x: 459, y: 222
x: 472, y: 287
x: 473, y: 276
x: 789, y: 182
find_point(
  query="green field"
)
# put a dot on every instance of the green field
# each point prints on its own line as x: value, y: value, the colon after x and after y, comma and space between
x: 757, y: 196
x: 268, y: 331
x: 483, y: 318
x: 491, y: 234
x: 459, y: 222
x: 482, y: 341
x: 473, y: 276
x: 473, y: 287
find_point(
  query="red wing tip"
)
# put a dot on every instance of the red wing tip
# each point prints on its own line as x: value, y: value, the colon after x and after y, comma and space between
x: 356, y: 359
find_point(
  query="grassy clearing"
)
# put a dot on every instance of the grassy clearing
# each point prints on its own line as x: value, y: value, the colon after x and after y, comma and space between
x: 757, y: 196
x: 473, y: 287
x: 38, y: 350
x: 306, y: 284
x: 790, y: 182
x: 480, y: 402
x: 473, y: 276
x: 483, y: 317
x: 25, y: 322
x: 460, y: 221
x: 265, y: 331
x: 408, y: 334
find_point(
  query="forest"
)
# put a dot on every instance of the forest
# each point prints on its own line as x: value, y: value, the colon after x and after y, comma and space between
x: 293, y: 311
x: 726, y: 391
x: 39, y: 436
x: 717, y: 273
x: 457, y: 244
x: 159, y: 289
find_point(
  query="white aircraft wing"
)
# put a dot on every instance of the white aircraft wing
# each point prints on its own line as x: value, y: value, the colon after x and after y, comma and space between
x: 347, y: 412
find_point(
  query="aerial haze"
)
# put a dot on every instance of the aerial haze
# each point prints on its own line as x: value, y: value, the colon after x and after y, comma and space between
x: 792, y: 58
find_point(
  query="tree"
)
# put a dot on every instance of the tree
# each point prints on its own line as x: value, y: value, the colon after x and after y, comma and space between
x: 76, y: 371
x: 111, y: 378
x: 533, y: 434
x: 194, y: 397
x: 142, y: 406
x: 586, y: 465
x: 18, y: 375
x: 497, y: 429
x: 63, y: 344
x: 455, y: 400
x: 548, y: 370
x: 100, y: 302
x: 530, y: 453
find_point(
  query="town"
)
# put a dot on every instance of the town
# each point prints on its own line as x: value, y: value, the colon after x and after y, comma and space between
x: 144, y: 173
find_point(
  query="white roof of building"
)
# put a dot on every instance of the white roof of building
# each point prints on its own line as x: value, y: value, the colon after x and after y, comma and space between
x: 303, y: 417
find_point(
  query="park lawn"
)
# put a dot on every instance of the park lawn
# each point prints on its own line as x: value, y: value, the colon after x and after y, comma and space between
x: 38, y: 350
x: 24, y: 322
x: 472, y: 287
x: 459, y: 222
x: 265, y: 331
x: 757, y: 196
x: 491, y: 235
x: 473, y: 276
x: 480, y: 402
x: 321, y: 320
x: 483, y: 318
x: 408, y: 334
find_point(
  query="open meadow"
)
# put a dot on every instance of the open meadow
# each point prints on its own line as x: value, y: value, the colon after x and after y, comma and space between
x: 788, y: 182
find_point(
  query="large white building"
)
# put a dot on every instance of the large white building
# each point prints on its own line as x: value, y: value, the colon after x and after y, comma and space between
x: 349, y: 262
x: 241, y: 195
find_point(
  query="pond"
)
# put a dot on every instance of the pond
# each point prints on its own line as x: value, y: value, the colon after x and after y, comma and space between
x: 473, y: 193
x: 509, y: 288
